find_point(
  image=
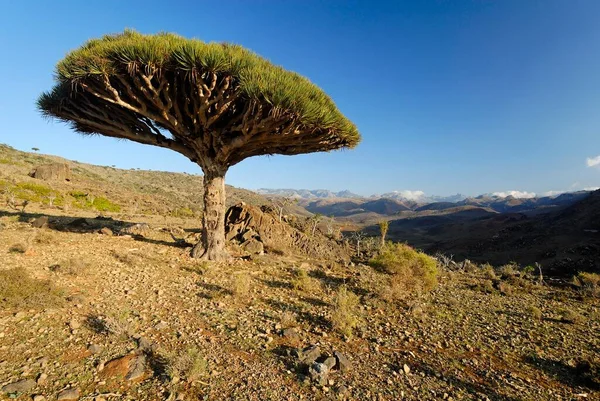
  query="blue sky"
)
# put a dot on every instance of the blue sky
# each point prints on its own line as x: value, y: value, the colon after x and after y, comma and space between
x: 449, y: 96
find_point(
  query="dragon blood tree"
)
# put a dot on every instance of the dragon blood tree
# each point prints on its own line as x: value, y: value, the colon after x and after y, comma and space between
x: 214, y: 103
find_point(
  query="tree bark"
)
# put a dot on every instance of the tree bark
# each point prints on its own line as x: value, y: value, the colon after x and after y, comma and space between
x: 212, y: 245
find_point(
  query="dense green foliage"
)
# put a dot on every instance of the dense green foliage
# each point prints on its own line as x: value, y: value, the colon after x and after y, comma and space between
x: 256, y: 77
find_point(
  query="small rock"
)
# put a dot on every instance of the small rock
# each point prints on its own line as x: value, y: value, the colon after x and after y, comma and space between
x: 70, y: 394
x: 160, y: 326
x: 39, y: 397
x: 254, y: 246
x: 318, y: 373
x: 291, y: 334
x: 406, y: 369
x: 310, y: 354
x: 40, y: 222
x: 42, y: 378
x: 20, y: 386
x: 342, y: 391
x: 330, y: 362
x: 137, y: 368
x: 343, y: 363
x: 106, y: 231
x: 145, y: 344
x: 94, y: 348
x: 74, y: 324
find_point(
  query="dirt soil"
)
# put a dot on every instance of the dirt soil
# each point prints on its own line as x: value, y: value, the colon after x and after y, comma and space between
x: 138, y: 299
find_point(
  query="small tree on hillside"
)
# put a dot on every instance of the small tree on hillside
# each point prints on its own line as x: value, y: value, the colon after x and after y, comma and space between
x: 384, y: 225
x: 281, y: 203
x: 216, y: 104
x: 315, y: 219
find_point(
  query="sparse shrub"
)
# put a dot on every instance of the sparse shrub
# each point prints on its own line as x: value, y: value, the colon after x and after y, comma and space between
x: 288, y: 319
x: 71, y: 267
x: 489, y: 272
x: 412, y: 272
x: 589, y: 283
x: 504, y: 288
x: 19, y: 290
x: 190, y: 365
x: 535, y: 313
x: 19, y: 247
x: 99, y: 203
x: 241, y: 284
x: 44, y: 237
x: 487, y: 286
x: 302, y: 282
x: 570, y: 316
x: 125, y: 257
x: 345, y: 316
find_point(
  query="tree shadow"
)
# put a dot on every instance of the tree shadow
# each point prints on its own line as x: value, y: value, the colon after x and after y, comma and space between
x: 583, y: 374
x: 83, y: 225
x: 277, y: 284
x: 301, y: 315
x: 212, y: 291
x: 491, y: 393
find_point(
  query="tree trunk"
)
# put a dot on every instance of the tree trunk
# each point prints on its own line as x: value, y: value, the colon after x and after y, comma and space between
x: 212, y: 244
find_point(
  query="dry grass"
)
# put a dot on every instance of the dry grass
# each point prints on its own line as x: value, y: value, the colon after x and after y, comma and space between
x: 302, y: 282
x: 589, y: 283
x: 19, y: 291
x: 190, y: 365
x: 570, y: 316
x: 45, y: 237
x: 19, y: 247
x: 288, y: 320
x: 535, y: 313
x: 71, y: 267
x: 241, y: 284
x: 345, y: 316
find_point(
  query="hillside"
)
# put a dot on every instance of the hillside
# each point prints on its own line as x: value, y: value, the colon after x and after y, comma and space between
x: 131, y: 191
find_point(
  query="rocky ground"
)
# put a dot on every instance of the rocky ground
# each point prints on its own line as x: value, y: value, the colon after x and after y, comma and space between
x: 132, y: 317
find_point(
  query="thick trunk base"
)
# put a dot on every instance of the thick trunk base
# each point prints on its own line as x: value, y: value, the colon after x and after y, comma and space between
x: 212, y: 245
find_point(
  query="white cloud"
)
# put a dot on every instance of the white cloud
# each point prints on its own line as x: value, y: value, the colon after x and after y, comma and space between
x: 593, y: 161
x: 516, y: 194
x: 411, y: 195
x: 553, y: 193
x: 591, y: 188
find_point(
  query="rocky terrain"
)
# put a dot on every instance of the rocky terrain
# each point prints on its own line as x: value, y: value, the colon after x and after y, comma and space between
x: 99, y: 300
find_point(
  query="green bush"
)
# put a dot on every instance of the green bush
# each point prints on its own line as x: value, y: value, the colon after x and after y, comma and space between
x: 85, y: 201
x: 411, y: 272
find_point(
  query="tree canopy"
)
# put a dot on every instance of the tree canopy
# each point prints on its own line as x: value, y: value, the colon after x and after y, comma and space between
x: 138, y: 86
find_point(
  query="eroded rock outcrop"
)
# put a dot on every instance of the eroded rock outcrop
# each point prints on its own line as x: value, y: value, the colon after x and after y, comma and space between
x: 54, y: 171
x: 248, y: 224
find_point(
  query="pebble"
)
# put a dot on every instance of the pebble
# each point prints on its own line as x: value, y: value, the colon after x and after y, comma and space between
x: 70, y: 394
x: 20, y: 386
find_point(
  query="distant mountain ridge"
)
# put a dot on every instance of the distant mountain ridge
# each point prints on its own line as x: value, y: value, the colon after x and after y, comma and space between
x: 307, y: 193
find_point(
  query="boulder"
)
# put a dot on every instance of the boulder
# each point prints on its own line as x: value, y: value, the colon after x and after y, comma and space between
x: 54, y: 171
x: 20, y: 386
x: 245, y: 224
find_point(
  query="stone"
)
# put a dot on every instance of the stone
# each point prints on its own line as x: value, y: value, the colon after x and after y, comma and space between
x: 39, y: 397
x: 291, y: 334
x: 330, y: 362
x: 94, y: 348
x: 132, y: 367
x: 74, y: 324
x: 42, y: 379
x: 310, y: 354
x: 135, y: 229
x: 160, y: 325
x: 137, y: 368
x: 40, y: 222
x: 319, y: 373
x: 70, y: 394
x: 145, y: 344
x: 53, y: 171
x: 254, y: 246
x: 106, y: 231
x: 342, y: 391
x: 343, y: 363
x: 20, y: 386
x: 406, y: 369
